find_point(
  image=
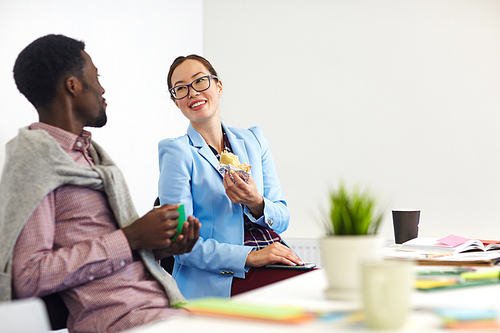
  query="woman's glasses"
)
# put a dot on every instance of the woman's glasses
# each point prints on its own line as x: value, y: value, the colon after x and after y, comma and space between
x: 200, y: 84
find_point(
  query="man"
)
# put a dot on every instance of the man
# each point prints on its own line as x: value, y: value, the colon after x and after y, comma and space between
x: 67, y: 223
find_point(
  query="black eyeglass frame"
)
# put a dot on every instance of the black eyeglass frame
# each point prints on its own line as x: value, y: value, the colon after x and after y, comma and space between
x: 191, y: 86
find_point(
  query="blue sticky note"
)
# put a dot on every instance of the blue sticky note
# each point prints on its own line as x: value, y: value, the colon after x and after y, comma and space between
x: 465, y: 314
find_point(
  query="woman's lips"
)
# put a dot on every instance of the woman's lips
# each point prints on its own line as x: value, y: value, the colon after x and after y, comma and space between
x: 197, y: 105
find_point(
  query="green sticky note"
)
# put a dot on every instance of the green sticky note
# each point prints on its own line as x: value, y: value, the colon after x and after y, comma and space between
x: 227, y: 308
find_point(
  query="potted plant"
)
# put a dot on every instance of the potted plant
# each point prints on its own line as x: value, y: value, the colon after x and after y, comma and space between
x: 351, y: 224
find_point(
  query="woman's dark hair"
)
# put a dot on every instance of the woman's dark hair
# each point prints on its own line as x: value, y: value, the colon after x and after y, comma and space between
x: 181, y: 59
x: 43, y: 63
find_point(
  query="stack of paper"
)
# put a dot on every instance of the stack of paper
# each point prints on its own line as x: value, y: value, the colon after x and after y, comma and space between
x: 470, y: 319
x: 455, y: 277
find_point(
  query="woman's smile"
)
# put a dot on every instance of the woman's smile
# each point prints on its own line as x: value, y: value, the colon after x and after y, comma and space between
x: 196, y: 105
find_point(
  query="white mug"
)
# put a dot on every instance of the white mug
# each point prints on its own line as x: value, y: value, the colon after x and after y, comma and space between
x: 386, y: 289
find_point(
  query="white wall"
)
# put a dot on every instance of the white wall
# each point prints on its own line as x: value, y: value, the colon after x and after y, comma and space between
x: 401, y: 96
x: 132, y: 43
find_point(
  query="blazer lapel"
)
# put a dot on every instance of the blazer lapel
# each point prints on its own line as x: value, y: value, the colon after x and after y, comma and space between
x: 238, y: 146
x: 203, y: 149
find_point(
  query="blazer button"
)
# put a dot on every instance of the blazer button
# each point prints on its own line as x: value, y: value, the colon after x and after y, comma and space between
x: 269, y: 222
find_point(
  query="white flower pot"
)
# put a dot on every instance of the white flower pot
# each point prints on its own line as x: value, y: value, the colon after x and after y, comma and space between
x: 340, y: 257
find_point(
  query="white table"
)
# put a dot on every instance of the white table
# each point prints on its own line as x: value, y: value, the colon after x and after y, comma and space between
x: 306, y: 290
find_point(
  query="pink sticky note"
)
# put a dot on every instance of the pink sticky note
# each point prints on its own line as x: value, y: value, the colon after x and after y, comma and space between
x: 452, y: 240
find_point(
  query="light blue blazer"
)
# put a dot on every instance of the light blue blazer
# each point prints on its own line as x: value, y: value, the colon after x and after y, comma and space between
x: 189, y: 175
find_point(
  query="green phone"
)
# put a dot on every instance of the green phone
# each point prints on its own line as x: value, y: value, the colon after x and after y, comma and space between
x: 181, y: 220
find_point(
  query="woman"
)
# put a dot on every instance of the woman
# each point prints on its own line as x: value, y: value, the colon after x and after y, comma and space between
x: 241, y: 221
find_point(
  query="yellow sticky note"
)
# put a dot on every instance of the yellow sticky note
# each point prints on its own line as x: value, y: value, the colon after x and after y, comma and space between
x: 429, y: 284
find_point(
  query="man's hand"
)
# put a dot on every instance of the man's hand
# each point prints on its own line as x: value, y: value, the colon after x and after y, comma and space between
x: 274, y: 253
x: 184, y: 242
x: 153, y: 230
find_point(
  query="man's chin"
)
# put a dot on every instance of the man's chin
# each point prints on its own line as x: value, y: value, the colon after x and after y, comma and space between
x: 100, y: 122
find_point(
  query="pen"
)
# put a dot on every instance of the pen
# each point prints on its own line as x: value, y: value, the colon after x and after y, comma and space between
x: 481, y: 275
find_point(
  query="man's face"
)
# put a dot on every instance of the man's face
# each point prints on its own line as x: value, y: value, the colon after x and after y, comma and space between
x: 91, y: 106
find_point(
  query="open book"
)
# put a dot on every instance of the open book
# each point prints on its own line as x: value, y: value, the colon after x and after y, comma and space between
x: 436, y: 246
x: 474, y: 258
x: 432, y: 251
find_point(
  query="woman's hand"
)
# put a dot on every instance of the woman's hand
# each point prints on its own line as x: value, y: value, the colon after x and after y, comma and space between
x: 274, y: 253
x: 244, y: 193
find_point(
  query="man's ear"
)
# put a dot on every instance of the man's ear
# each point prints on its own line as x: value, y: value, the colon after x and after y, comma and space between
x: 73, y: 85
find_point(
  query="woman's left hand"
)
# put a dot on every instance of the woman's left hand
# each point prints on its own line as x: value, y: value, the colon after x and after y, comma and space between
x: 274, y: 253
x: 244, y: 193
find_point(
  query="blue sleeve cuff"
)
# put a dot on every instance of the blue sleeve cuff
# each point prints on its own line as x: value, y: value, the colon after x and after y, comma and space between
x: 252, y: 218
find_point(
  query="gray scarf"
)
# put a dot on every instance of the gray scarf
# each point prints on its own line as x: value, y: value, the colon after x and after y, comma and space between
x: 35, y: 165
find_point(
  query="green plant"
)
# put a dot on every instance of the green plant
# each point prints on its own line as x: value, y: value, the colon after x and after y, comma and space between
x: 352, y: 213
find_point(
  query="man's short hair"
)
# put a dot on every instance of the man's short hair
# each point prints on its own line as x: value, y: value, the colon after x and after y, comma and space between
x: 43, y: 63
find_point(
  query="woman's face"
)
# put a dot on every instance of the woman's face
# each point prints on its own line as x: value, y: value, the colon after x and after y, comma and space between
x: 202, y: 106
